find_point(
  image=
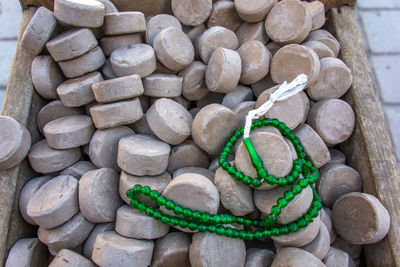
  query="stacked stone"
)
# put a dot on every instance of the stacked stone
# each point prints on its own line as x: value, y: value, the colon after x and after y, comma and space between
x: 154, y: 102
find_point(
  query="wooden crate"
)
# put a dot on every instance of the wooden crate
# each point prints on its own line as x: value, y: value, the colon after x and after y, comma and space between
x: 369, y: 150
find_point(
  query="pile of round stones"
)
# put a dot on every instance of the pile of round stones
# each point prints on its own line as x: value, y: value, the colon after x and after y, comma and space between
x: 151, y: 101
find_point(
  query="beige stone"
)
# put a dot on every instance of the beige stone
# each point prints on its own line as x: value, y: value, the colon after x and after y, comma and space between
x: 203, y: 252
x: 111, y: 249
x: 273, y: 47
x: 69, y: 132
x: 143, y: 155
x: 292, y: 60
x: 337, y: 156
x: 205, y: 172
x: 333, y: 120
x: 109, y: 8
x: 223, y: 70
x: 162, y: 85
x: 195, y: 32
x: 252, y: 31
x: 172, y: 250
x: 87, y: 249
x: 292, y: 111
x: 313, y: 145
x: 242, y: 109
x: 319, y: 247
x: 266, y: 199
x: 98, y: 195
x: 255, y: 61
x: 194, y: 191
x: 133, y: 59
x: 27, y: 252
x: 66, y: 257
x: 193, y: 87
x: 335, y: 180
x: 235, y: 196
x: 360, y: 218
x: 141, y: 127
x: 221, y: 120
x: 53, y: 111
x: 321, y: 49
x: 118, y: 89
x: 169, y: 121
x: 79, y: 169
x: 214, y: 38
x: 288, y: 22
x: 317, y: 11
x: 107, y: 71
x: 253, y: 10
x: 187, y: 154
x: 68, y: 235
x: 295, y: 257
x: 55, y: 202
x: 353, y: 250
x: 111, y: 43
x: 159, y: 23
x: 327, y: 38
x: 71, y: 44
x: 338, y: 258
x: 127, y: 22
x: 104, y: 146
x: 15, y: 141
x: 80, y: 13
x: 326, y: 219
x: 224, y: 14
x: 160, y: 68
x: 262, y: 85
x: 300, y: 238
x: 38, y: 31
x: 46, y: 76
x: 183, y: 101
x: 135, y: 224
x: 173, y: 48
x: 273, y: 151
x: 191, y: 12
x: 334, y: 80
x: 116, y: 114
x: 144, y: 102
x: 78, y: 92
x: 89, y: 62
x: 258, y: 257
x: 45, y: 159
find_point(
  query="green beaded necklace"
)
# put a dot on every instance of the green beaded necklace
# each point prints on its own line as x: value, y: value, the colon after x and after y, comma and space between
x: 214, y: 223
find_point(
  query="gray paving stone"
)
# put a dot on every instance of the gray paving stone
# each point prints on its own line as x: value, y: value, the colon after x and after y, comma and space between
x: 7, y: 50
x: 392, y: 113
x: 387, y: 70
x: 378, y: 4
x: 2, y: 95
x: 382, y: 28
x: 10, y: 17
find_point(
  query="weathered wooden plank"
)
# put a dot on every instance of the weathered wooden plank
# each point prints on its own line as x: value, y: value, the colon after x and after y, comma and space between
x: 370, y: 150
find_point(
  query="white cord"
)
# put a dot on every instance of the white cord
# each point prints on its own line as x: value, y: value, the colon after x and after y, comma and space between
x: 284, y: 92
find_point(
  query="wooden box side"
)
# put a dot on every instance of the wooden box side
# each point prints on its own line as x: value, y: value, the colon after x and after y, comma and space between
x: 370, y: 149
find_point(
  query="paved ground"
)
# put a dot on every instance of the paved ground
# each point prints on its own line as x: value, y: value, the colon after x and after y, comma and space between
x: 379, y: 22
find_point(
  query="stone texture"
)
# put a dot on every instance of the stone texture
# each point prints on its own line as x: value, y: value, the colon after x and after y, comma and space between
x: 79, y: 169
x: 292, y: 257
x: 98, y: 195
x: 111, y: 43
x: 162, y: 85
x: 111, y: 249
x: 158, y: 23
x: 327, y: 38
x: 71, y: 44
x: 321, y: 49
x: 262, y: 85
x: 217, y: 117
x: 242, y: 109
x: 27, y: 252
x: 15, y: 141
x: 338, y: 258
x: 258, y: 257
x: 46, y: 76
x: 353, y: 250
x: 127, y: 22
x: 203, y: 252
x: 143, y: 155
x: 254, y: 11
x: 66, y: 257
x: 135, y: 224
x: 252, y: 31
x: 172, y: 250
x: 187, y: 154
x: 116, y: 114
x: 224, y: 14
x: 191, y: 12
x: 205, y: 172
x: 319, y: 247
x: 89, y: 243
x: 317, y: 11
x: 133, y: 59
x: 80, y: 13
x: 360, y: 218
x: 193, y: 86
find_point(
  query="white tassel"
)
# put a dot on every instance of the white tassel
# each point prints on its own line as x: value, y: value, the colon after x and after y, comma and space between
x: 284, y: 92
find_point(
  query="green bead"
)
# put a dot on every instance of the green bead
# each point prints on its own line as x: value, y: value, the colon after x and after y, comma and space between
x: 221, y: 162
x: 216, y: 219
x: 247, y: 222
x: 297, y: 168
x: 232, y: 170
x: 154, y: 195
x: 286, y: 132
x: 242, y: 234
x: 142, y: 207
x: 282, y: 203
x: 146, y: 190
x: 237, y: 134
x: 301, y: 223
x: 239, y: 175
x: 150, y: 211
x: 174, y: 222
x: 249, y: 236
x: 294, y: 174
x: 275, y: 122
x: 290, y: 179
x: 282, y: 182
x: 303, y: 183
x: 296, y: 189
x: 291, y: 137
x: 235, y: 233
x: 220, y: 231
x: 241, y: 131
x: 225, y: 165
x: 293, y: 227
x: 256, y: 183
x: 187, y: 213
x: 161, y: 201
x: 205, y: 217
x: 317, y: 205
x: 295, y: 141
x: 275, y: 210
x: 247, y: 180
x: 262, y: 173
x: 183, y: 224
x: 228, y: 232
x: 288, y: 195
x: 165, y: 220
x: 267, y: 233
x: 271, y: 180
x: 193, y: 226
x: 212, y: 228
x: 258, y: 123
x: 134, y: 203
x: 202, y: 228
x: 137, y: 189
x: 226, y: 150
x: 157, y: 215
x: 308, y: 218
x: 178, y: 210
x: 258, y: 235
x: 283, y: 230
x: 240, y: 220
x: 270, y: 219
x: 228, y: 144
x: 196, y: 215
x: 308, y: 164
x: 313, y: 212
x: 275, y: 231
x: 130, y: 194
x: 233, y: 139
x: 170, y: 205
x: 302, y: 155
